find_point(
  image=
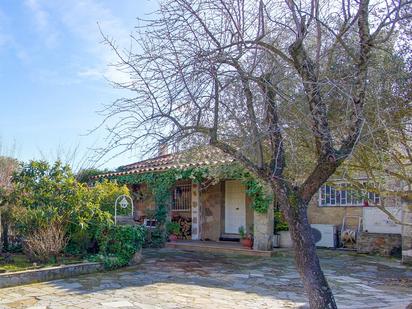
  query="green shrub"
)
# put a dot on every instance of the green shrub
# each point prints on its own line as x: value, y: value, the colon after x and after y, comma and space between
x: 280, y: 223
x: 44, y: 193
x: 105, y: 194
x: 118, y: 244
x: 173, y: 228
x: 87, y: 175
x: 242, y: 232
x: 156, y: 238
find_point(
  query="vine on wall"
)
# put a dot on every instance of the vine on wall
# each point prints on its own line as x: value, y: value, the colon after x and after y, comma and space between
x: 161, y: 184
x: 260, y: 195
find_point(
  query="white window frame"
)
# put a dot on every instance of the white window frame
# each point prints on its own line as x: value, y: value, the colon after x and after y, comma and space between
x: 329, y: 196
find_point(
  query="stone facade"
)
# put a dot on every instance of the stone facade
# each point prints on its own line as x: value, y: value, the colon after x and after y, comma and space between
x: 212, y: 214
x: 335, y: 214
x: 379, y: 243
x: 331, y: 215
x: 212, y: 201
x: 143, y: 200
x: 263, y: 230
x: 407, y: 232
x: 196, y: 212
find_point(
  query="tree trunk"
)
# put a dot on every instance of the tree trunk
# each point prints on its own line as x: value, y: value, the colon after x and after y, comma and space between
x: 307, y: 262
x: 5, y: 236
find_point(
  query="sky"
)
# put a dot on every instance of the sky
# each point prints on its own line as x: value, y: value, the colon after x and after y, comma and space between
x: 54, y: 73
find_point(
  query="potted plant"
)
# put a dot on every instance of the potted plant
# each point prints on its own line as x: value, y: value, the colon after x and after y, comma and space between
x: 246, y: 239
x: 281, y: 235
x: 173, y: 230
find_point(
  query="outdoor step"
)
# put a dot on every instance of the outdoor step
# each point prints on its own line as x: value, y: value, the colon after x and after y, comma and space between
x: 216, y: 247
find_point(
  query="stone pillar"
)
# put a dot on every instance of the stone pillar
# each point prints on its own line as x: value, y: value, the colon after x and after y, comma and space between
x: 407, y: 230
x: 263, y: 230
x: 195, y: 212
x: 1, y: 235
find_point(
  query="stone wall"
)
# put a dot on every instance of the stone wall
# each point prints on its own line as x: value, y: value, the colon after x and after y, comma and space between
x: 335, y: 214
x: 249, y: 215
x: 46, y: 274
x: 211, y: 200
x: 407, y: 231
x: 143, y: 200
x: 263, y: 230
x: 331, y: 215
x: 379, y: 243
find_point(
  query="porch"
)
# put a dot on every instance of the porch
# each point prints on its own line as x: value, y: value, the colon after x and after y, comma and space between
x: 210, y: 214
x: 225, y: 247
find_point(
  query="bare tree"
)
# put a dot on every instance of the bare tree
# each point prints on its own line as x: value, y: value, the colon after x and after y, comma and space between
x: 279, y: 85
x: 384, y: 154
x: 8, y: 166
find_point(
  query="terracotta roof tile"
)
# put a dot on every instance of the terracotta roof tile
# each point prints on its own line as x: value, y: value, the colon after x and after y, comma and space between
x: 180, y: 160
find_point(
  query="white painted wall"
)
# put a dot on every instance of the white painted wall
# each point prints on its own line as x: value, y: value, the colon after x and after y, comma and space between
x: 376, y: 221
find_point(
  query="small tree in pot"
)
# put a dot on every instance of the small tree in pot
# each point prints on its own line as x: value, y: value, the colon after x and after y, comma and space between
x: 173, y: 230
x: 246, y: 239
x: 280, y: 225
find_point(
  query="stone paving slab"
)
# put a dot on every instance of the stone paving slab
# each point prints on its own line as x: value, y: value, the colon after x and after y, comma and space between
x: 175, y: 279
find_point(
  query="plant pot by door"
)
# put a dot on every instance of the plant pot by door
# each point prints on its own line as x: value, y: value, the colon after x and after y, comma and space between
x: 247, y: 243
x: 172, y: 237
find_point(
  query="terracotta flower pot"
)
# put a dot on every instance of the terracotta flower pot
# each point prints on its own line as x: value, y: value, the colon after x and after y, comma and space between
x: 247, y: 242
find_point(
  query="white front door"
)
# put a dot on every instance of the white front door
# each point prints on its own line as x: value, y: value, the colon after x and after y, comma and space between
x: 235, y: 206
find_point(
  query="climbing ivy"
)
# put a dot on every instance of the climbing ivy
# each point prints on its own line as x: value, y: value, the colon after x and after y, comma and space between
x: 256, y: 190
x: 161, y: 183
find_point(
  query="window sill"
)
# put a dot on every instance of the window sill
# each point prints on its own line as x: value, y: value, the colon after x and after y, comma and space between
x: 342, y: 206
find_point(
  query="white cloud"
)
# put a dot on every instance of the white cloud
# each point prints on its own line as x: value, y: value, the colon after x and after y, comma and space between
x: 75, y: 25
x: 43, y: 23
x: 83, y: 19
x: 94, y: 73
x: 5, y: 37
x: 40, y: 15
x: 22, y: 55
x: 8, y: 41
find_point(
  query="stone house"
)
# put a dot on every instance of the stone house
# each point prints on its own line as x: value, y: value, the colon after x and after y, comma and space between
x: 214, y: 211
x: 340, y: 205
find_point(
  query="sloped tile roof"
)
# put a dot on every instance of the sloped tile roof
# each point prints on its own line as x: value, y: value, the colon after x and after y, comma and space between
x: 182, y: 160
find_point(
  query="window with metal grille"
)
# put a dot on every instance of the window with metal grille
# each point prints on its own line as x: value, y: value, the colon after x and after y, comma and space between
x: 182, y: 197
x: 342, y: 194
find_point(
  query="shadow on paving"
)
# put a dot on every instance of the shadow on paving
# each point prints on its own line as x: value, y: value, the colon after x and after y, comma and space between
x: 355, y: 279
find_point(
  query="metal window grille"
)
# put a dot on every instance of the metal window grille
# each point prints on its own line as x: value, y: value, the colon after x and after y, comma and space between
x: 182, y: 198
x: 341, y: 195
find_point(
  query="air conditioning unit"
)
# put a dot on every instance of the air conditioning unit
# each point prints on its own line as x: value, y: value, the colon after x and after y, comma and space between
x: 324, y: 235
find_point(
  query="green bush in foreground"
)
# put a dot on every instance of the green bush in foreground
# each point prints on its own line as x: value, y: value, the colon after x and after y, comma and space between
x: 43, y: 194
x: 118, y: 244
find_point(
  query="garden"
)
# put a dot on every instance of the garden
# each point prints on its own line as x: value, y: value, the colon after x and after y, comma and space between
x: 51, y: 217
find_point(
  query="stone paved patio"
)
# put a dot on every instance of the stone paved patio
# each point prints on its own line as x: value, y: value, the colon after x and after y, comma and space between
x: 173, y: 279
